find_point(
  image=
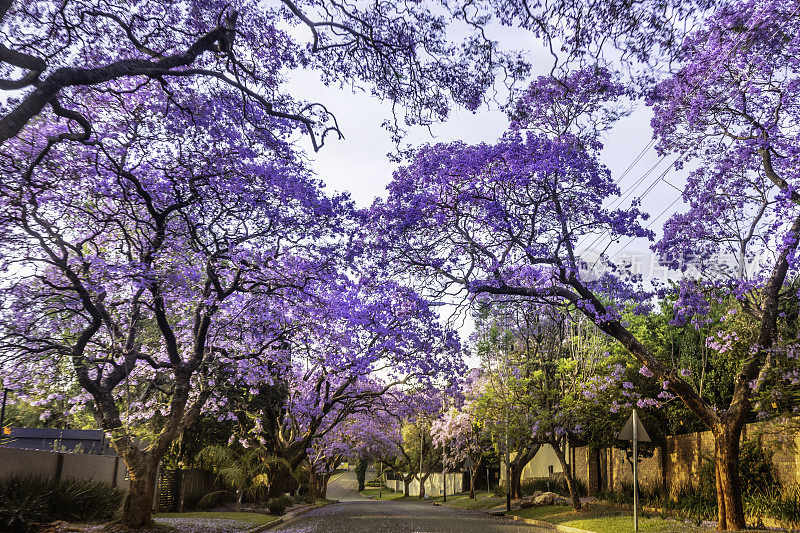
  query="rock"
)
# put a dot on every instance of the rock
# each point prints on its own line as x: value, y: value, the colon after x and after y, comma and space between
x: 546, y: 498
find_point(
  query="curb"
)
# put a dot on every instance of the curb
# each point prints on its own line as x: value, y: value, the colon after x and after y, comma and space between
x: 542, y: 523
x: 283, y: 519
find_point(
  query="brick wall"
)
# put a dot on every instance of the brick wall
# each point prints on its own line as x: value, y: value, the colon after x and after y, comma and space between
x: 678, y: 461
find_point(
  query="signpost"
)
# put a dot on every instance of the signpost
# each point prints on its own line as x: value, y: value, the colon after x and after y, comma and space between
x: 634, y: 430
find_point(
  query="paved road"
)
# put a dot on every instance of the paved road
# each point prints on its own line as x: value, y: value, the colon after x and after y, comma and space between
x: 401, y: 517
x: 357, y: 514
x: 345, y: 488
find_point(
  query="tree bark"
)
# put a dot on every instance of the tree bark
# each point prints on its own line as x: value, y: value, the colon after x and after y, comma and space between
x: 324, y: 488
x: 312, y: 487
x: 516, y: 480
x: 730, y: 510
x: 473, y: 473
x: 137, y: 510
x: 574, y: 493
x: 422, y: 480
x: 407, y: 486
x: 522, y: 458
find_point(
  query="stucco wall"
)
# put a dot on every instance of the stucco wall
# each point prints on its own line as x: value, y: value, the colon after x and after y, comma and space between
x: 21, y: 462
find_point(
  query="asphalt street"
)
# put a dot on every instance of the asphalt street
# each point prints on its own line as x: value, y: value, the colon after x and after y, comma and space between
x: 401, y: 517
x: 358, y: 515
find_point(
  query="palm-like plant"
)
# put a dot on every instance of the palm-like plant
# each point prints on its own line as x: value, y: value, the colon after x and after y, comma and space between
x: 246, y: 474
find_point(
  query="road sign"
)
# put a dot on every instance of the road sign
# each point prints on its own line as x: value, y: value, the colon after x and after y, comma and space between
x: 634, y: 430
x: 627, y: 430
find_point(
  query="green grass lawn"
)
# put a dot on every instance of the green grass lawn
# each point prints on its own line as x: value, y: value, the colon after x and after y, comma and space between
x: 256, y: 519
x: 483, y: 500
x: 603, y: 520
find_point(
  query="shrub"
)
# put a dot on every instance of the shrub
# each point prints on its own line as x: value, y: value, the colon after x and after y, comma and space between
x: 689, y: 501
x: 756, y: 469
x: 22, y: 512
x: 557, y: 485
x: 783, y: 504
x: 277, y: 506
x: 215, y: 499
x: 695, y: 502
x: 33, y: 500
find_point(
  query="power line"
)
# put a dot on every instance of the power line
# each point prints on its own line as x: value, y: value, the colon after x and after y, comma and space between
x: 633, y: 163
x: 661, y: 214
x: 633, y: 188
x: 718, y: 62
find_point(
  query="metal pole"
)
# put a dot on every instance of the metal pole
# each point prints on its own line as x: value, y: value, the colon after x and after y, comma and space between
x: 380, y: 482
x: 488, y: 482
x: 3, y: 412
x: 421, y: 444
x: 508, y: 471
x: 635, y: 473
x: 444, y: 469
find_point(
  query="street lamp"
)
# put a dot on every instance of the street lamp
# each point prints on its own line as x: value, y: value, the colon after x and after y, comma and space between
x: 421, y: 446
x: 444, y: 457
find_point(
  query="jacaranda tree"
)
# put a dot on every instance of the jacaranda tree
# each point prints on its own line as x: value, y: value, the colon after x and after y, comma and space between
x: 147, y: 258
x: 352, y: 348
x: 56, y: 52
x: 504, y: 219
x: 732, y: 107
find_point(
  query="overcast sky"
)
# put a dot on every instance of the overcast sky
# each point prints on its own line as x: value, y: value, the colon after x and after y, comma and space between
x: 358, y: 163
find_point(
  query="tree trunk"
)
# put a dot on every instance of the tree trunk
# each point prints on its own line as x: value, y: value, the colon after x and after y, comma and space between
x: 422, y: 480
x: 407, y: 486
x: 312, y: 484
x: 574, y: 493
x: 516, y: 480
x: 323, y: 490
x: 730, y: 511
x: 137, y: 512
x: 473, y: 472
x: 523, y: 457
